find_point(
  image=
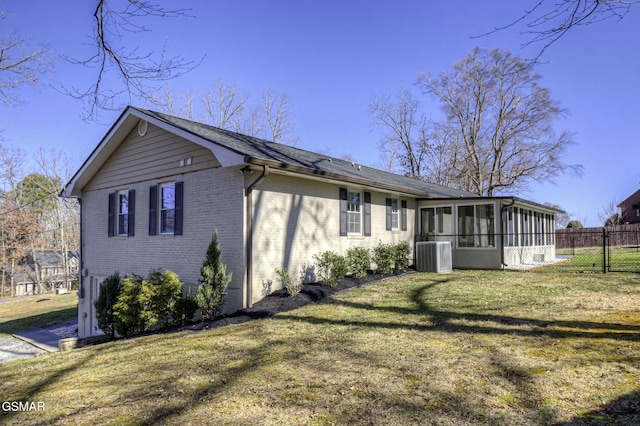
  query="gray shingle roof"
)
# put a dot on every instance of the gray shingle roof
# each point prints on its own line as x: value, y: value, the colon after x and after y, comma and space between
x: 302, y: 160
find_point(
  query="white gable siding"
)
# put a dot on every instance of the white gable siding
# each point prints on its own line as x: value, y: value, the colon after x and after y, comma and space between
x: 295, y: 218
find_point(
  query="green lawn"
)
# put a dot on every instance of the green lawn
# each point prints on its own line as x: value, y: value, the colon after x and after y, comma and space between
x: 466, y: 348
x: 36, y: 311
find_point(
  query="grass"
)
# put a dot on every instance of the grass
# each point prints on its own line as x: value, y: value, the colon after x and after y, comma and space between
x: 36, y: 311
x: 466, y: 348
x: 589, y: 259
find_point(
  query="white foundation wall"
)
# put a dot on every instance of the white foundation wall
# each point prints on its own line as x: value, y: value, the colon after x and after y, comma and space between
x: 295, y: 218
x: 213, y: 199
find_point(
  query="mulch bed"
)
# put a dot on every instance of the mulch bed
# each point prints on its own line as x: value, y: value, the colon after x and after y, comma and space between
x: 281, y: 301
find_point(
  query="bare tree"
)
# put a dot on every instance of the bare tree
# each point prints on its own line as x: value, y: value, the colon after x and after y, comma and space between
x: 65, y: 218
x: 225, y: 105
x: 609, y: 215
x: 19, y: 65
x: 403, y: 142
x: 504, y: 121
x: 547, y: 21
x: 135, y: 74
x: 278, y: 117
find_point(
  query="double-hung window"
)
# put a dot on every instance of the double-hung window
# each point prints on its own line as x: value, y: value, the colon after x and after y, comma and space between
x: 167, y: 208
x: 123, y: 213
x: 354, y: 213
x: 395, y: 214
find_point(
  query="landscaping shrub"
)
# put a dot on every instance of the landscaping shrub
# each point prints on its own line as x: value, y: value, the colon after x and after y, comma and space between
x: 384, y: 257
x: 293, y: 287
x: 158, y: 296
x: 331, y: 267
x: 109, y: 292
x: 402, y: 252
x: 127, y: 310
x: 184, y: 309
x: 214, y: 279
x: 358, y: 261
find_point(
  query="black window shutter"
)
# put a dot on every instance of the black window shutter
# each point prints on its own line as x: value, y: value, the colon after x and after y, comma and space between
x: 131, y: 217
x: 177, y: 227
x: 367, y: 214
x: 343, y: 211
x: 404, y: 214
x: 153, y: 205
x: 388, y: 203
x: 112, y: 212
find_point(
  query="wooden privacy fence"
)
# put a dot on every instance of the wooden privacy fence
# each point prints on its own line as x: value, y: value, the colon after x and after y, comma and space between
x: 616, y: 236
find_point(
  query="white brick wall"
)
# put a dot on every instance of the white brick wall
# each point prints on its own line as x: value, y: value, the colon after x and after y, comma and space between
x: 295, y: 218
x: 213, y: 199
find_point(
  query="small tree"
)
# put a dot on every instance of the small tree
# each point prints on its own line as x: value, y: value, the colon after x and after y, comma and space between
x: 109, y: 291
x: 214, y: 279
x: 158, y: 297
x: 128, y: 309
x: 574, y: 224
x: 184, y: 309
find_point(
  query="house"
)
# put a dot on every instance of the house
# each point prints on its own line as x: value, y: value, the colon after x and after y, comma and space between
x: 156, y: 188
x: 630, y: 209
x: 42, y: 271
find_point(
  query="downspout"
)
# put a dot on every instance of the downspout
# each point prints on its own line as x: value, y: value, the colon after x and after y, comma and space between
x: 249, y: 227
x: 81, y: 284
x: 502, y: 210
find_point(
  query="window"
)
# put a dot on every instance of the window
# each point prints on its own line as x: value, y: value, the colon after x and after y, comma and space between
x: 436, y: 222
x: 476, y: 226
x: 123, y: 213
x: 121, y: 217
x: 167, y: 208
x: 354, y: 213
x: 395, y: 214
x: 524, y: 227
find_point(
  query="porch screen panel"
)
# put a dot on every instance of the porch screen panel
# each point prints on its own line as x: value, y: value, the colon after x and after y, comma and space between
x: 485, y: 225
x: 466, y: 228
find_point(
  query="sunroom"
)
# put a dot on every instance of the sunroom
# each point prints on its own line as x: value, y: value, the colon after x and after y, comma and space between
x: 490, y: 232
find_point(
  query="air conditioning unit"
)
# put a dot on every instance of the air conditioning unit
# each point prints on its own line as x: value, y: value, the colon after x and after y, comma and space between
x: 433, y: 256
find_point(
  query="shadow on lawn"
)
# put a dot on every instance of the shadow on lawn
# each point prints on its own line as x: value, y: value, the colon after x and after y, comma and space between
x: 507, y: 325
x: 173, y: 402
x: 621, y: 411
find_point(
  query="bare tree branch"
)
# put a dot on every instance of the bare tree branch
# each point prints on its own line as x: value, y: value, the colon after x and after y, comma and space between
x: 136, y: 72
x: 550, y: 20
x: 19, y: 66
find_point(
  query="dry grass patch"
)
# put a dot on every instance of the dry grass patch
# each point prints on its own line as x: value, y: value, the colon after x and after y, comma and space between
x: 465, y: 348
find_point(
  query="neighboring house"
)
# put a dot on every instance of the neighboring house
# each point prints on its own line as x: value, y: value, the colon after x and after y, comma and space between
x: 630, y: 209
x: 156, y: 188
x: 44, y: 271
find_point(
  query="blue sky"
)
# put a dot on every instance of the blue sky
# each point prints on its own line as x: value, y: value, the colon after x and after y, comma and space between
x: 331, y: 56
